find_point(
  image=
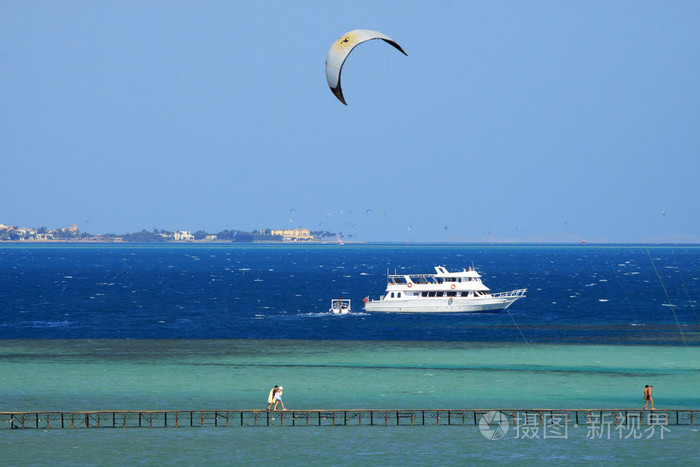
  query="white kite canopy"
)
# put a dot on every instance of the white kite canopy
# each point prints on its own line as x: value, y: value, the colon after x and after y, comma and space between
x: 340, y: 50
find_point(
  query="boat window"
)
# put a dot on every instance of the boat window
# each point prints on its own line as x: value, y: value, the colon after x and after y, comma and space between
x: 451, y: 294
x: 398, y: 295
x: 439, y: 294
x: 464, y: 294
x: 431, y: 294
x: 392, y: 294
x: 425, y: 294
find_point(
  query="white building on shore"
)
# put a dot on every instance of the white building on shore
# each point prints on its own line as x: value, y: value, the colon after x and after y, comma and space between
x: 183, y: 235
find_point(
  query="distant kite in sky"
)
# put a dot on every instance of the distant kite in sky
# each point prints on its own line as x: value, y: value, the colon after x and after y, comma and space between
x: 340, y: 50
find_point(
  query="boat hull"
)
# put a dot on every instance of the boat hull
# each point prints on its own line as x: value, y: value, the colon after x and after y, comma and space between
x: 440, y: 305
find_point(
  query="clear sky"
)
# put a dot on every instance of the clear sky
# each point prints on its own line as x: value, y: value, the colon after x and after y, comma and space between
x: 508, y: 121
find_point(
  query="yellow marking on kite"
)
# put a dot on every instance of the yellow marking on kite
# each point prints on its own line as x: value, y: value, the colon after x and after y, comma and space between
x: 348, y: 40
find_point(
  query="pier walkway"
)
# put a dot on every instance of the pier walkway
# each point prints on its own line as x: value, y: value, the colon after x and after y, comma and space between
x: 356, y: 417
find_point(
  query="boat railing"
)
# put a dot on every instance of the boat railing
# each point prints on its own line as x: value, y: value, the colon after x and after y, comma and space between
x: 511, y: 294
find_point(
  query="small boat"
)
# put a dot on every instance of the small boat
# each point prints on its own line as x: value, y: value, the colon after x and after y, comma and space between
x: 442, y: 292
x: 340, y: 306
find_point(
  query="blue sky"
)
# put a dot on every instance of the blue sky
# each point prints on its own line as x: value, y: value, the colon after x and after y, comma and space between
x: 508, y: 121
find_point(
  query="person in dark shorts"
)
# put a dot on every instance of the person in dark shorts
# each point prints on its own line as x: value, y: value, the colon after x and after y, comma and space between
x: 647, y: 397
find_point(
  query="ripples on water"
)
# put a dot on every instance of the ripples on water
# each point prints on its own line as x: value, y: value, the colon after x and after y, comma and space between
x: 609, y: 294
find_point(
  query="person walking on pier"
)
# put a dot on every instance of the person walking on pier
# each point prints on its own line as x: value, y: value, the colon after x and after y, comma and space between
x: 271, y: 396
x: 278, y: 398
x: 647, y: 397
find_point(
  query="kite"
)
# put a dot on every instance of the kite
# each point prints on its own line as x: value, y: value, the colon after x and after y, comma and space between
x: 340, y: 50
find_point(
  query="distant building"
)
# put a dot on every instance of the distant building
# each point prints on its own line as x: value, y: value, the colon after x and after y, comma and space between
x: 183, y: 235
x: 293, y: 235
x: 210, y: 237
x: 73, y: 228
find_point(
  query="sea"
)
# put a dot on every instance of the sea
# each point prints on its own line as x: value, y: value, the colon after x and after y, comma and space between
x: 215, y: 326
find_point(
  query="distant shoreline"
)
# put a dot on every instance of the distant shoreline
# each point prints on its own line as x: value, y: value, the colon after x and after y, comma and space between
x: 332, y: 242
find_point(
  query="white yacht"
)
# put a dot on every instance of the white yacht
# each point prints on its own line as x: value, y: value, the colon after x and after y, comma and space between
x: 442, y: 292
x: 340, y: 306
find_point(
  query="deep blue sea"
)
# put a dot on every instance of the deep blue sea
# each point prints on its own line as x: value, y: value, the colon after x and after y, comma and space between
x: 576, y: 294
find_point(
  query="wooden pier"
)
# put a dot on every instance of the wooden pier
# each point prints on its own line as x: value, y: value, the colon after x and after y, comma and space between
x: 45, y: 420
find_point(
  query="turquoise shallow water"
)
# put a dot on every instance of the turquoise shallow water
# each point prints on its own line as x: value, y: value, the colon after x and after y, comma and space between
x: 337, y: 446
x: 236, y: 374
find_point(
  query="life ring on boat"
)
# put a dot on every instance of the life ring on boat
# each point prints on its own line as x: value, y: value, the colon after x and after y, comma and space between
x: 453, y: 286
x: 410, y: 284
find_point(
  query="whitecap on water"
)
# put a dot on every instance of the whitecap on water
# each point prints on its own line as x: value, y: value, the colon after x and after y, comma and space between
x: 49, y: 324
x: 603, y: 300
